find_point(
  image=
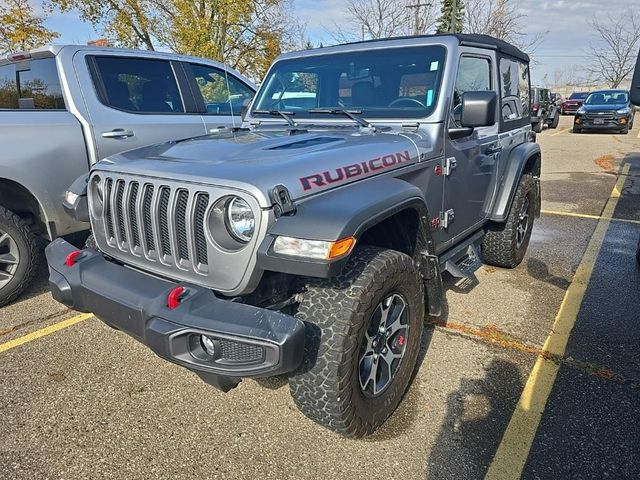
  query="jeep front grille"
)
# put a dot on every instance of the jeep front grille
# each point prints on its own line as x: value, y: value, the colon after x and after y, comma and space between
x: 164, y: 223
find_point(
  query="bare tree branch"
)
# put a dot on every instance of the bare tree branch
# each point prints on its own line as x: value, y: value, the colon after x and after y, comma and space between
x: 614, y: 54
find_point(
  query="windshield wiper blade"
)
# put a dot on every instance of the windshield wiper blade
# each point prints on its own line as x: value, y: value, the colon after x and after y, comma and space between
x: 352, y: 114
x: 284, y: 114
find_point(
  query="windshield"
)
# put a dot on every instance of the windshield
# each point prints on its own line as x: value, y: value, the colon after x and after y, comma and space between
x: 578, y: 96
x: 607, y: 98
x: 389, y: 83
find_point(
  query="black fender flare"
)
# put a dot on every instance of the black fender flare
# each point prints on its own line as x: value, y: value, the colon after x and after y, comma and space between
x: 351, y: 211
x: 524, y: 157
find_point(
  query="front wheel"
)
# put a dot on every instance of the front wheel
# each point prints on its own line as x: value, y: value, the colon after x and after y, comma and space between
x: 364, y: 331
x: 20, y: 256
x: 505, y: 244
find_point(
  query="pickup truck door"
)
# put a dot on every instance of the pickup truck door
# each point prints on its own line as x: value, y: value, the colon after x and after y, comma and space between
x: 470, y: 162
x: 219, y: 94
x: 133, y: 101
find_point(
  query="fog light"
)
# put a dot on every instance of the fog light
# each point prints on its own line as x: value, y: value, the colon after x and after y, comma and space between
x: 209, y: 345
x: 623, y: 121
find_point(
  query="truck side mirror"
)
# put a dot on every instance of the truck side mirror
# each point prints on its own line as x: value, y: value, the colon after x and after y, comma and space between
x: 478, y: 109
x: 634, y: 91
x: 246, y: 103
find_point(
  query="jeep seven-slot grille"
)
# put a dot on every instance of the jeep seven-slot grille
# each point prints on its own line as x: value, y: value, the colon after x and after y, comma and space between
x: 159, y: 223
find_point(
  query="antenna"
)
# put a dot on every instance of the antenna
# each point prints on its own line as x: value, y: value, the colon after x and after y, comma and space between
x: 226, y: 78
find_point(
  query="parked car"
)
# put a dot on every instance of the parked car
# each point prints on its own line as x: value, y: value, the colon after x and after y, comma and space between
x: 605, y: 110
x: 311, y: 243
x: 62, y: 108
x: 543, y: 110
x: 634, y: 97
x: 571, y: 105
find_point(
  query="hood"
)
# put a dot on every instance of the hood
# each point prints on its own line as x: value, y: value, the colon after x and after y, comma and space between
x: 604, y: 108
x: 256, y: 161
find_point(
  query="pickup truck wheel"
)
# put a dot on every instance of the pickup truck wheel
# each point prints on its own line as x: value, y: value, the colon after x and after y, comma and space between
x: 505, y: 244
x: 364, y: 330
x: 20, y: 256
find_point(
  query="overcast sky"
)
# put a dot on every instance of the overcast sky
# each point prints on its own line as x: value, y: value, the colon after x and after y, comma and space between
x: 564, y: 45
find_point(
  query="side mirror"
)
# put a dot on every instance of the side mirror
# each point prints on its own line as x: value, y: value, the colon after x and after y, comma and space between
x: 246, y: 103
x: 634, y: 91
x: 478, y: 109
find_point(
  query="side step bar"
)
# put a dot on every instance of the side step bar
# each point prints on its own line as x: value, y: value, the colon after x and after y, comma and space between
x: 463, y: 260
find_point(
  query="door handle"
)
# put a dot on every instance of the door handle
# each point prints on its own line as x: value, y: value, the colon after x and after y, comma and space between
x: 118, y: 133
x: 493, y: 150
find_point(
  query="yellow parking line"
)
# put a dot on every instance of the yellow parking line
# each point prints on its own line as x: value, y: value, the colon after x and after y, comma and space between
x: 560, y: 132
x: 513, y: 450
x: 44, y: 331
x: 593, y: 217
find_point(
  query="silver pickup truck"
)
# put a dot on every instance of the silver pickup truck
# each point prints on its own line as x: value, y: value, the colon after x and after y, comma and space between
x: 63, y: 108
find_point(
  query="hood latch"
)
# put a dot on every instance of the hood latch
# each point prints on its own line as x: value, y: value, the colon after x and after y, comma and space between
x: 282, y: 203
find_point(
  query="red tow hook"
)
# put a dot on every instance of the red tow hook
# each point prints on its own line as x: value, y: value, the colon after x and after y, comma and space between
x: 70, y: 261
x: 175, y: 297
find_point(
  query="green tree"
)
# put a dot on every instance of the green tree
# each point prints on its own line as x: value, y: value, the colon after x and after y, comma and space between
x: 20, y: 28
x: 451, y: 17
x: 245, y: 34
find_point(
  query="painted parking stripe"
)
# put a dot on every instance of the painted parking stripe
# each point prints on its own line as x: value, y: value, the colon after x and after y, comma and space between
x: 585, y: 215
x: 560, y: 132
x: 512, y: 453
x: 44, y: 331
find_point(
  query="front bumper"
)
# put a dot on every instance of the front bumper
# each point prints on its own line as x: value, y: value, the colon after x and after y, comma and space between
x: 250, y: 341
x: 616, y: 123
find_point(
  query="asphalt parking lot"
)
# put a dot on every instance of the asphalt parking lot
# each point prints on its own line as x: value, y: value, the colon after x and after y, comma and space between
x: 534, y: 372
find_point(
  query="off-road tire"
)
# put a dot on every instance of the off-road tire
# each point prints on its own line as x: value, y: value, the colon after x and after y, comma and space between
x: 499, y: 245
x: 554, y: 123
x: 337, y: 313
x: 537, y: 127
x: 30, y: 249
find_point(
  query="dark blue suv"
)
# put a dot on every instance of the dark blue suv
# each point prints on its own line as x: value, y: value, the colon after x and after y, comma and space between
x: 605, y: 110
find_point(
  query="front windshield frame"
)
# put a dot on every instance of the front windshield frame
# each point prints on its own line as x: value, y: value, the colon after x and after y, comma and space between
x: 613, y: 94
x: 330, y: 78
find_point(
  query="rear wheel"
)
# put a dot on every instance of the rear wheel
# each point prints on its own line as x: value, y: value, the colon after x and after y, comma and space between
x: 537, y: 127
x: 505, y: 244
x: 556, y: 120
x: 20, y: 256
x: 364, y: 330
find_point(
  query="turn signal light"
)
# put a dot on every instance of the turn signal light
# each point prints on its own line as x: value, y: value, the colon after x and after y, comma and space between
x: 341, y: 247
x: 70, y: 261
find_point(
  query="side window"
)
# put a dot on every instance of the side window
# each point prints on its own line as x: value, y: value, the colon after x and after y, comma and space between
x: 514, y: 82
x: 8, y: 88
x: 32, y: 85
x: 474, y: 75
x: 138, y: 85
x: 222, y: 94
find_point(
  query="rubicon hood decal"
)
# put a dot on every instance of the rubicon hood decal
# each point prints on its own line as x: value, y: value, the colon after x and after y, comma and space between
x: 353, y: 170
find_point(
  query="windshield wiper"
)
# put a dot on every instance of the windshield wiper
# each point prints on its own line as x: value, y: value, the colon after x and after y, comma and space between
x: 284, y: 114
x: 352, y: 114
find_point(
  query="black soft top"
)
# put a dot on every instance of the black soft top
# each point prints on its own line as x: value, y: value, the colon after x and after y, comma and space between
x: 470, y: 40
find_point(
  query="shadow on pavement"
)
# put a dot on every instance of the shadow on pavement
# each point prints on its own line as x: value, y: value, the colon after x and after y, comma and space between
x: 477, y: 415
x: 540, y: 271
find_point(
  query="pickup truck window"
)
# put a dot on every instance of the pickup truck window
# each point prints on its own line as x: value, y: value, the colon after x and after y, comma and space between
x: 222, y: 94
x: 138, y: 85
x: 31, y: 85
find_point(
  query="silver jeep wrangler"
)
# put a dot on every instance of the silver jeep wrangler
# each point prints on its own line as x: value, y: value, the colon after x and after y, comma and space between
x: 311, y: 243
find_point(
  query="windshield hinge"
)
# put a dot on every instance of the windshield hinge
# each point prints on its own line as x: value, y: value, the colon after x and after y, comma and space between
x: 282, y: 203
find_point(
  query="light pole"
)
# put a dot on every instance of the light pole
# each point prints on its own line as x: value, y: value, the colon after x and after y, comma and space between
x: 416, y: 7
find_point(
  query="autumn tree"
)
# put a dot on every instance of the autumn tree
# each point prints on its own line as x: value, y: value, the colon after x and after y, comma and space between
x: 614, y: 53
x: 246, y: 34
x: 451, y: 17
x: 20, y: 28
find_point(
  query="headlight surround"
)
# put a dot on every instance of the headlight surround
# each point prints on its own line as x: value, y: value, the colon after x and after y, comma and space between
x: 240, y: 220
x: 96, y: 195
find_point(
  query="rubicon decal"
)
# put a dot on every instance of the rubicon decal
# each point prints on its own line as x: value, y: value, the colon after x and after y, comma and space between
x: 354, y: 170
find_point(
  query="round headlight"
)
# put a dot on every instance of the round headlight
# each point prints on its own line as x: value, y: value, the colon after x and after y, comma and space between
x: 241, y: 222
